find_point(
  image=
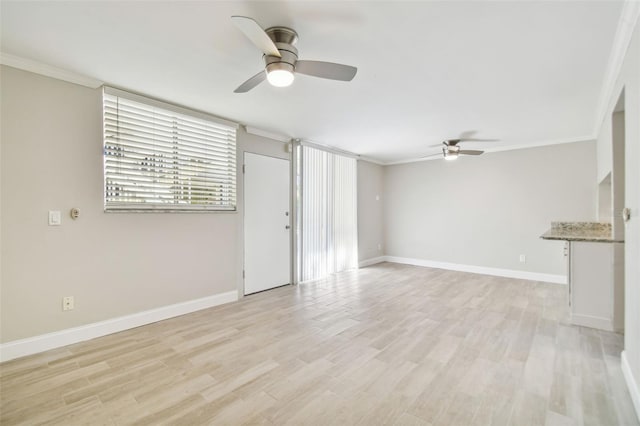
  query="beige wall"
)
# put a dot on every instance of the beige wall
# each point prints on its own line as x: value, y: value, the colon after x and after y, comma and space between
x: 370, y: 218
x: 114, y: 264
x: 617, y: 173
x: 628, y: 80
x: 486, y: 211
x: 604, y: 151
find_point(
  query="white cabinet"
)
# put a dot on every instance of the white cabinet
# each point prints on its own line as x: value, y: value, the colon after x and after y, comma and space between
x: 591, y: 279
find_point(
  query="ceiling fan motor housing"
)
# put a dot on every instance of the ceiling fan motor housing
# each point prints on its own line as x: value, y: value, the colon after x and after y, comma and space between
x: 284, y: 38
x: 282, y: 35
x: 286, y: 61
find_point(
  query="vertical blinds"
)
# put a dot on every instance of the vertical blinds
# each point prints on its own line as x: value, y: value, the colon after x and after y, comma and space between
x: 160, y: 157
x: 329, y: 214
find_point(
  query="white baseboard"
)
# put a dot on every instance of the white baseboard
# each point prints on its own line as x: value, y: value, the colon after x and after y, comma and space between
x: 592, y: 322
x: 632, y: 384
x: 372, y: 261
x: 44, y: 342
x: 509, y: 273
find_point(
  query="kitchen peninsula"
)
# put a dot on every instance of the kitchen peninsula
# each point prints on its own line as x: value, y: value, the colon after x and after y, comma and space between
x: 595, y: 282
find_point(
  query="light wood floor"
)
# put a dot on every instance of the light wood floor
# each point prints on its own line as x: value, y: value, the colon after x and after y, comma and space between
x: 388, y: 344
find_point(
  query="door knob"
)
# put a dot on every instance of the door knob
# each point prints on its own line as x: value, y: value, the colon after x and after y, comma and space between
x: 626, y: 214
x: 287, y: 227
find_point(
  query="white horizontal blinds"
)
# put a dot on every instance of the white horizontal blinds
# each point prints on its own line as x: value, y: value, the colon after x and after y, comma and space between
x: 329, y: 217
x: 158, y: 159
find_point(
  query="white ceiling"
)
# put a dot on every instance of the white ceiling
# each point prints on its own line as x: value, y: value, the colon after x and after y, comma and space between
x: 523, y: 72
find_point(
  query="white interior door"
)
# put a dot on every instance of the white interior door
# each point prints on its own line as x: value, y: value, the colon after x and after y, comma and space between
x: 267, y: 224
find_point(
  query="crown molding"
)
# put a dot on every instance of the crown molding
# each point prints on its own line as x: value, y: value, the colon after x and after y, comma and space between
x: 267, y: 134
x: 329, y: 148
x: 286, y: 139
x: 371, y: 160
x: 587, y: 138
x: 48, y: 70
x: 624, y: 32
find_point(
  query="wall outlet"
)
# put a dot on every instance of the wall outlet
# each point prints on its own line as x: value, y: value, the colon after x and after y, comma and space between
x: 67, y: 303
x: 523, y: 258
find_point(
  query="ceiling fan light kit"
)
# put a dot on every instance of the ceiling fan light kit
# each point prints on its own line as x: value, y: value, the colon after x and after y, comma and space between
x: 449, y: 154
x: 281, y: 57
x: 451, y: 157
x: 280, y: 75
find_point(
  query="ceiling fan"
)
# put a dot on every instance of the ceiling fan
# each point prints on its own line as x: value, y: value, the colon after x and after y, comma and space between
x: 281, y: 57
x: 451, y: 150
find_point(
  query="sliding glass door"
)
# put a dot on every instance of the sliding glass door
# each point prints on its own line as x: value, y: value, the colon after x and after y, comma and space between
x: 327, y: 234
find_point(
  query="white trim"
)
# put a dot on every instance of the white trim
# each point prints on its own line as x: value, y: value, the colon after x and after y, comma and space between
x: 624, y: 32
x: 371, y: 160
x: 44, y: 342
x: 328, y: 148
x: 509, y: 273
x: 48, y: 70
x: 592, y: 322
x: 586, y: 138
x: 267, y: 134
x: 371, y: 261
x: 286, y: 139
x: 632, y: 384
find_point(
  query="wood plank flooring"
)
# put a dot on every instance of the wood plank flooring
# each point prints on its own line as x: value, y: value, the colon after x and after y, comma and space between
x: 389, y: 344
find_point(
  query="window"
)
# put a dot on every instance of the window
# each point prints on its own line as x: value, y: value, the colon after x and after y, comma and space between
x: 159, y: 157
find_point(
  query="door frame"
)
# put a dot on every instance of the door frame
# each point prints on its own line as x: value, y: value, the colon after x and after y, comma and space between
x: 241, y: 290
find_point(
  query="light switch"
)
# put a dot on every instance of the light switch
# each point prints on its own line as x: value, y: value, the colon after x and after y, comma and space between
x: 54, y: 218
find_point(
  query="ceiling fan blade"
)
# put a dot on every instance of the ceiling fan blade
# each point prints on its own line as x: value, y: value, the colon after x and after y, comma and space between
x: 476, y: 140
x: 446, y: 142
x: 467, y: 134
x: 251, y: 83
x: 256, y: 34
x: 470, y: 152
x: 326, y: 70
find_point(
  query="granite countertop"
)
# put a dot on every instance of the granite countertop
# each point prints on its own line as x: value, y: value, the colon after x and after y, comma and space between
x: 580, y: 231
